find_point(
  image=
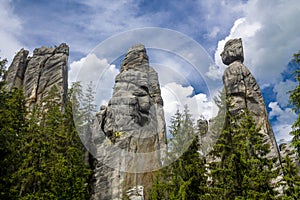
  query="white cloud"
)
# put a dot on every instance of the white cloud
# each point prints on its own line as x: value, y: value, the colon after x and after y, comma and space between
x: 99, y: 71
x: 284, y: 120
x: 282, y: 89
x: 269, y: 39
x: 214, y: 72
x: 11, y: 27
x: 115, y: 16
x: 282, y: 132
x: 241, y: 28
x: 265, y: 85
x: 176, y: 96
x: 213, y: 34
x: 216, y: 17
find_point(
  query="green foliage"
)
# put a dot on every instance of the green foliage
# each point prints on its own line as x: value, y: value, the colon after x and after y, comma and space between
x: 13, y: 126
x: 295, y: 101
x: 291, y: 179
x: 297, y: 57
x: 240, y: 169
x: 88, y: 105
x: 41, y: 153
x: 184, y: 178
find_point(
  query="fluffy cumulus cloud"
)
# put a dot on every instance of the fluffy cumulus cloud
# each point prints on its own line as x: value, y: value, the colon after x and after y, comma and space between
x: 284, y: 119
x: 11, y: 27
x: 269, y: 42
x: 95, y: 70
x: 176, y: 96
x: 269, y: 39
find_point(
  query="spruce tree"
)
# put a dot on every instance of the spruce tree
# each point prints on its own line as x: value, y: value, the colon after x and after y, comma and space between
x: 52, y: 164
x: 291, y: 179
x: 239, y: 168
x: 88, y: 106
x: 184, y: 178
x: 295, y: 102
x: 257, y: 168
x: 12, y: 126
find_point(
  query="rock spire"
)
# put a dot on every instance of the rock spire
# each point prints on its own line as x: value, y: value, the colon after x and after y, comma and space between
x: 134, y: 123
x: 244, y: 91
x: 37, y: 74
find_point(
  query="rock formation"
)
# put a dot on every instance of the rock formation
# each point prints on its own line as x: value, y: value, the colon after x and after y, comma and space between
x: 37, y: 74
x: 244, y: 91
x: 287, y: 149
x: 133, y: 121
x: 201, y: 129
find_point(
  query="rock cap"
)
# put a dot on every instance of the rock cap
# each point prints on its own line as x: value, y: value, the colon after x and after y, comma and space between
x: 135, y: 56
x: 233, y: 51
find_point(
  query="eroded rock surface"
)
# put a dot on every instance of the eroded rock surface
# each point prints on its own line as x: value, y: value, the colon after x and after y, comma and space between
x: 244, y: 91
x: 37, y: 74
x: 133, y: 122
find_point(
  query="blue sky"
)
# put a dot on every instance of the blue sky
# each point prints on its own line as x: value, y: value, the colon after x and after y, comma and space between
x: 270, y: 32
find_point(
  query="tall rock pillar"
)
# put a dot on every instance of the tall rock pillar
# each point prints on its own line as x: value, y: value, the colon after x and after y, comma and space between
x: 37, y: 74
x: 245, y: 93
x: 134, y: 123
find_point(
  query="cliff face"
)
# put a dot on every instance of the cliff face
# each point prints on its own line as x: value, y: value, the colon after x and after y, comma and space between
x: 244, y: 91
x: 37, y: 74
x: 134, y: 122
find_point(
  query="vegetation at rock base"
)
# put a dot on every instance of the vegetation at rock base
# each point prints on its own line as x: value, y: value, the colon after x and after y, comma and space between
x: 13, y: 125
x: 295, y: 101
x: 241, y: 169
x: 184, y: 178
x: 291, y: 170
x: 42, y: 156
x: 237, y: 168
x: 41, y: 153
x: 291, y: 179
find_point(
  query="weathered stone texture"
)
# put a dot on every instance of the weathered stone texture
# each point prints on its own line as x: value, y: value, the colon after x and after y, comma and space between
x: 242, y: 88
x: 134, y: 122
x: 37, y: 74
x: 17, y: 70
x: 287, y: 149
x: 201, y: 129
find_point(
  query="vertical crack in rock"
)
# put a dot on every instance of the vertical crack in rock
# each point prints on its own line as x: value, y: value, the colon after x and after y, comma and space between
x: 134, y: 122
x: 37, y: 74
x: 16, y: 71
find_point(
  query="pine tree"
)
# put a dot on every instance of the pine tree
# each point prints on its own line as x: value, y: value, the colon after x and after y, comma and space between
x: 52, y: 164
x: 88, y: 106
x: 12, y: 127
x: 76, y: 96
x: 184, y: 178
x: 291, y: 179
x: 240, y: 169
x: 258, y: 170
x: 295, y: 101
x: 83, y: 109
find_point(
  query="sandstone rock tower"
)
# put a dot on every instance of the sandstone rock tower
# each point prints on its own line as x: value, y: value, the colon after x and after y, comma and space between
x: 37, y: 74
x: 244, y: 91
x: 134, y: 123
